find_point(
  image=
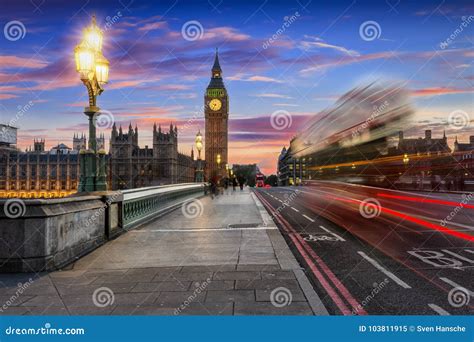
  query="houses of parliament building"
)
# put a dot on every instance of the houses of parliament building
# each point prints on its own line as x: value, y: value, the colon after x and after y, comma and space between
x: 38, y: 172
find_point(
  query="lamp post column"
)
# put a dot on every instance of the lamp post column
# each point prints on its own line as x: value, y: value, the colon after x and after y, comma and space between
x: 93, y: 68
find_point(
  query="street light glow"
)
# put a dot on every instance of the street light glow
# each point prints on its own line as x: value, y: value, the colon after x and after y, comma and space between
x: 93, y: 37
x: 90, y: 62
x: 198, y: 141
x: 102, y: 70
x: 85, y: 61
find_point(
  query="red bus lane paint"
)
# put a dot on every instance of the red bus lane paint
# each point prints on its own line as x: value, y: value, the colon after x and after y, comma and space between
x: 427, y: 200
x: 416, y: 220
x: 302, y: 246
x: 334, y: 296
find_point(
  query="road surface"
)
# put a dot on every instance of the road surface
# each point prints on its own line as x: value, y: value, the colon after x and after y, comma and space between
x: 377, y: 251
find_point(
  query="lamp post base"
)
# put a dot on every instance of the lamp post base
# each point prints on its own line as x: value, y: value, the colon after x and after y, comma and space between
x: 101, y: 179
x: 92, y: 162
x: 87, y: 160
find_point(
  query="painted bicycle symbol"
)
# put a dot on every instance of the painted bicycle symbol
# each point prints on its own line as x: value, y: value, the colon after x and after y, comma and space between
x: 314, y: 238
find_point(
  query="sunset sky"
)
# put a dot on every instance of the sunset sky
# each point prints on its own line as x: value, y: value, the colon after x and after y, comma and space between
x: 159, y: 74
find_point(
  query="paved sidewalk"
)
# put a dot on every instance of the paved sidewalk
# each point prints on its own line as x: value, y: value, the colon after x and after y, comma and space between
x: 221, y: 256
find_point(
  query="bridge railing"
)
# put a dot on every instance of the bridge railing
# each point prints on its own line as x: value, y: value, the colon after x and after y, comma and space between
x: 144, y: 204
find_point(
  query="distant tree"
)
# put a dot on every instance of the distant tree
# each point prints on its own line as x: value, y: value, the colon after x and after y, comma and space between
x: 246, y: 173
x: 271, y: 180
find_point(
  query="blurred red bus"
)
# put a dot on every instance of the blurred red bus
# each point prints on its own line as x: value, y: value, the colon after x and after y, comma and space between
x: 259, y: 180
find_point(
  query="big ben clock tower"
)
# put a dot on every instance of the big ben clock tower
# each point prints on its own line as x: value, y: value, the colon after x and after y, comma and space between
x: 216, y: 111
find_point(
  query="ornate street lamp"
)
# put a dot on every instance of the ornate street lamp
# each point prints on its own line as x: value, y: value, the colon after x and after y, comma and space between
x: 199, y: 170
x: 93, y: 69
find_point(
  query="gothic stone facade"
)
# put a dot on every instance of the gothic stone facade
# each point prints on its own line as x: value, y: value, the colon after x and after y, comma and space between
x: 38, y: 173
x: 133, y: 167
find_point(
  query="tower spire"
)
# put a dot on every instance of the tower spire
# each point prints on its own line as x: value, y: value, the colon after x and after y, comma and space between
x: 216, y: 68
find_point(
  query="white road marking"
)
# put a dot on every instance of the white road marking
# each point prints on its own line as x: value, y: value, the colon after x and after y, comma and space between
x: 469, y: 250
x: 439, y: 310
x: 309, y: 218
x: 333, y: 234
x: 384, y: 270
x: 453, y: 284
x: 198, y: 230
x: 295, y: 209
x: 458, y: 256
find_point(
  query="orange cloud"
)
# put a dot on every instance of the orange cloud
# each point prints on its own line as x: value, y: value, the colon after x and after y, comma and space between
x: 7, y: 96
x: 437, y: 91
x: 7, y: 62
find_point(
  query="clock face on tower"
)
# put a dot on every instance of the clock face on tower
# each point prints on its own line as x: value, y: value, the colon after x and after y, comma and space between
x: 215, y: 104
